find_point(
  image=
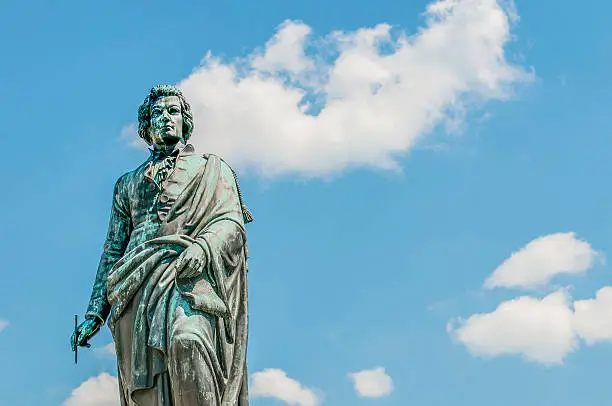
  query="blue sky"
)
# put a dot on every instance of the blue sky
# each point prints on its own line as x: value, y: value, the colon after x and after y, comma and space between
x: 377, y: 222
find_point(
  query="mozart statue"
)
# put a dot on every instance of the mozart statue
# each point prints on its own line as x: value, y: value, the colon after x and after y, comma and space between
x: 172, y: 280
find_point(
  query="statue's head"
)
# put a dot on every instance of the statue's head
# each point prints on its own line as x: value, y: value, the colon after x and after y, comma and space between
x: 165, y: 117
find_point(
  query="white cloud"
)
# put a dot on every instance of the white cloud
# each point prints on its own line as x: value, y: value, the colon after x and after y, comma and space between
x: 106, y: 351
x: 538, y: 330
x: 592, y: 320
x: 101, y: 390
x: 543, y: 258
x: 3, y: 324
x: 374, y: 92
x: 373, y: 383
x: 275, y: 383
x: 285, y: 51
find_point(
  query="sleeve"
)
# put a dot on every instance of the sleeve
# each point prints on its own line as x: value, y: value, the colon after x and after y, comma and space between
x: 117, y: 239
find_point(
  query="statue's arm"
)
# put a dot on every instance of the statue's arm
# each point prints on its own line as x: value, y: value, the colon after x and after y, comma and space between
x: 117, y: 238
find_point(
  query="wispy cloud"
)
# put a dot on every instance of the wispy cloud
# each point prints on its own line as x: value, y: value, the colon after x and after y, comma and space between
x: 3, y: 324
x: 129, y: 135
x: 315, y: 106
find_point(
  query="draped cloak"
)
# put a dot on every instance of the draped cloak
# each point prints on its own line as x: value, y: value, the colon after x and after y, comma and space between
x: 145, y: 293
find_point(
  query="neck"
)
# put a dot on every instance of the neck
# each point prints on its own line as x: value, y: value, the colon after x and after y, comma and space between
x: 166, y: 149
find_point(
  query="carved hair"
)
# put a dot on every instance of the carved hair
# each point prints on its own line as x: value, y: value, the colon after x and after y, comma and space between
x: 144, y: 111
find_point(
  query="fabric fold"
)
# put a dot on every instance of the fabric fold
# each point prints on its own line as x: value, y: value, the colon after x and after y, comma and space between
x: 144, y: 287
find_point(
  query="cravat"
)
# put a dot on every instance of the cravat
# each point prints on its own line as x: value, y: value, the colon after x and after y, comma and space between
x: 162, y: 168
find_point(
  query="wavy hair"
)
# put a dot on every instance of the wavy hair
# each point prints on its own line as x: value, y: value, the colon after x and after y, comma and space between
x: 144, y: 111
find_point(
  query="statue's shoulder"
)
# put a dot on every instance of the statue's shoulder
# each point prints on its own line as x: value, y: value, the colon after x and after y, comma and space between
x: 228, y: 172
x: 132, y: 175
x: 223, y: 162
x: 202, y: 158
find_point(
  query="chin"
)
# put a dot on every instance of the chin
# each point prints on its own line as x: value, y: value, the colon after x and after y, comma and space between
x: 171, y: 139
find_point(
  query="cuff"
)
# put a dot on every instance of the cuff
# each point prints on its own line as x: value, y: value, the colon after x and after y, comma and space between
x: 92, y: 315
x: 98, y: 309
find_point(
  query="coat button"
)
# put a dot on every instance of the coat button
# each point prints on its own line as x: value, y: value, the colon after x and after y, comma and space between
x: 164, y: 198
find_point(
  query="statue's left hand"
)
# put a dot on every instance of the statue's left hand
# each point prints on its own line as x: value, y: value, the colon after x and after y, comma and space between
x: 191, y: 261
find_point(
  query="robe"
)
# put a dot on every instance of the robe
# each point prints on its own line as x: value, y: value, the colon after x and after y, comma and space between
x: 179, y: 342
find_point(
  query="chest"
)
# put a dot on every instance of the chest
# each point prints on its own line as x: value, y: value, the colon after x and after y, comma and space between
x: 150, y: 199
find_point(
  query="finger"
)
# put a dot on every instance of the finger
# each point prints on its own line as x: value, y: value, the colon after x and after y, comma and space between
x: 180, y: 262
x: 195, y: 267
x: 83, y: 337
x: 78, y: 337
x: 188, y: 270
x: 84, y: 343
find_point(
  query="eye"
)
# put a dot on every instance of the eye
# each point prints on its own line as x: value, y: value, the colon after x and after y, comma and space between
x: 175, y: 110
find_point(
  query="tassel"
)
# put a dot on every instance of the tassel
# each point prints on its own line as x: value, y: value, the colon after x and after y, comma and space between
x: 246, y: 215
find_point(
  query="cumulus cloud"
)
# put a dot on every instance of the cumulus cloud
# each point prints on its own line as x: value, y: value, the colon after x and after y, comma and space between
x: 542, y: 259
x: 593, y: 321
x: 275, y: 383
x: 373, y: 383
x: 539, y: 330
x: 316, y: 105
x: 3, y: 324
x: 101, y: 390
x: 106, y: 351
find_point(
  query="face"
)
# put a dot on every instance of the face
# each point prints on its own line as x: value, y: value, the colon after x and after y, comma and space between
x: 166, y: 122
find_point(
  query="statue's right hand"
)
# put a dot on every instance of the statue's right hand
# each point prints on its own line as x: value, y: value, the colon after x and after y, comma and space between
x: 86, y: 330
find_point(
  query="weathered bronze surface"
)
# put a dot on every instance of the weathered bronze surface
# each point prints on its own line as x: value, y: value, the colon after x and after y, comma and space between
x: 172, y: 280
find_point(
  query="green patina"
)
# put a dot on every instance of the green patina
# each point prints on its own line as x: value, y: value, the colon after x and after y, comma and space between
x: 172, y: 279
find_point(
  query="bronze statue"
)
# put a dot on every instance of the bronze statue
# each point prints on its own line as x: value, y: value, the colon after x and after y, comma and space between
x: 172, y: 279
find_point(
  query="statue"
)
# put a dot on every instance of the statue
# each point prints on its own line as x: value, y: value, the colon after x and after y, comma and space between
x: 172, y: 280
